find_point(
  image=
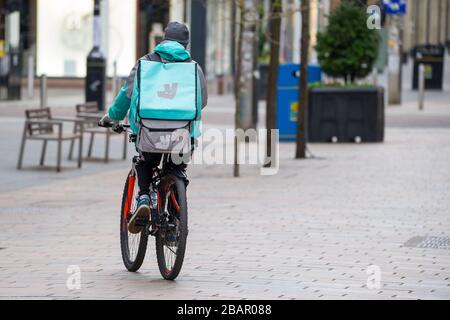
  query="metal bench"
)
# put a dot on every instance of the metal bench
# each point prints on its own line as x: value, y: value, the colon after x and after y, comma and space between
x: 91, y: 115
x: 39, y: 125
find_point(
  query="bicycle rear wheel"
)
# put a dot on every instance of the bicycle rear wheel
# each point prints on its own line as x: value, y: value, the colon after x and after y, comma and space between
x: 133, y: 246
x: 171, y: 238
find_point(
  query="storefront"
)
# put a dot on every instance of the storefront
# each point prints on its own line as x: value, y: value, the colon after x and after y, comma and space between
x: 64, y: 36
x: 57, y: 35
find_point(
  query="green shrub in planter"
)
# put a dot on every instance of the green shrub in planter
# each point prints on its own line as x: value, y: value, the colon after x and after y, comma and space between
x: 347, y: 48
x: 346, y: 111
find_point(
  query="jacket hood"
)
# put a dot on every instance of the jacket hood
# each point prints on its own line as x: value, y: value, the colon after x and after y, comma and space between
x: 172, y: 51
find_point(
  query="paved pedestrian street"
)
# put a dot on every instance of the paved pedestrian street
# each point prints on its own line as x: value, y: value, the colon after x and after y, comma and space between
x: 353, y: 220
x: 356, y: 221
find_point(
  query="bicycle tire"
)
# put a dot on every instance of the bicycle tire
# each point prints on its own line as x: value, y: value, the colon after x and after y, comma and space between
x: 132, y: 265
x: 171, y: 274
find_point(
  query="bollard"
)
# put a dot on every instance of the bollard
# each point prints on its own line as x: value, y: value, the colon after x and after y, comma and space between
x: 115, y: 80
x: 43, y: 91
x: 117, y: 86
x: 421, y: 86
x: 375, y: 77
x: 30, y: 80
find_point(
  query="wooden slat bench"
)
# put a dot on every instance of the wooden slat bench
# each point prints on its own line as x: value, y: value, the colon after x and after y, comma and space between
x: 40, y: 125
x: 91, y: 115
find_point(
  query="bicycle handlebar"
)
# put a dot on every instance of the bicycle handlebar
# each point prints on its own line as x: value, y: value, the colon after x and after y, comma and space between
x: 115, y: 126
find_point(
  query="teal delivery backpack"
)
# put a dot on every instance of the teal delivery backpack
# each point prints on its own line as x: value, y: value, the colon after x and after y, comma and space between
x: 168, y: 106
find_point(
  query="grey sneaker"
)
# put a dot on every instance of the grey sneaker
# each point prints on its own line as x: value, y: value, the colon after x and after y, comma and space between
x: 142, y: 213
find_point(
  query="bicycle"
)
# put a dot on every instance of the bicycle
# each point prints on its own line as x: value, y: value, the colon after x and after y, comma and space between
x: 168, y: 221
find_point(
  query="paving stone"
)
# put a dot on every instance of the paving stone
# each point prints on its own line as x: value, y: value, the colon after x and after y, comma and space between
x: 309, y: 232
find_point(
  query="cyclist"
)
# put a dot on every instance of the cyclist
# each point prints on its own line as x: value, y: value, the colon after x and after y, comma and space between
x: 172, y: 49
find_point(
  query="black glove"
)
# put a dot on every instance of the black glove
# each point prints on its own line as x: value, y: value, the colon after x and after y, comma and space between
x: 105, y: 120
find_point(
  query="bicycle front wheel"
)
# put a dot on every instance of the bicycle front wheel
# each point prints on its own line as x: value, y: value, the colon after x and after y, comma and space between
x: 171, y: 238
x: 133, y: 245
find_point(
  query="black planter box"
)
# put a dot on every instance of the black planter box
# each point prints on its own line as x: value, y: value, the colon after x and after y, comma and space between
x: 346, y: 114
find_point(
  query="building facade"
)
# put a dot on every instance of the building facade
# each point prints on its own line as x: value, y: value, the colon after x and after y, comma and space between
x: 57, y: 34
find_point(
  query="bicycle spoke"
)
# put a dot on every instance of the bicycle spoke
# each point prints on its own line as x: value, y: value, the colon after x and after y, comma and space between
x: 171, y: 250
x: 133, y: 239
x: 133, y: 245
x: 171, y: 241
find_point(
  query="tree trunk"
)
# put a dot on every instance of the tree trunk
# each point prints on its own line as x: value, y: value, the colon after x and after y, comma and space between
x: 255, y: 57
x: 238, y: 84
x: 233, y: 38
x: 271, y: 107
x: 303, y: 86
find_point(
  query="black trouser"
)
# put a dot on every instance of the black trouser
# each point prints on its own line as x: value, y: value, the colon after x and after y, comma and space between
x: 145, y: 167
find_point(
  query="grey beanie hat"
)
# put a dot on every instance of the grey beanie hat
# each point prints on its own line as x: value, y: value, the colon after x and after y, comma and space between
x: 176, y: 31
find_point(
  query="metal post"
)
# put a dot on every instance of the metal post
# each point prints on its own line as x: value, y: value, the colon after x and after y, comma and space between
x: 43, y: 91
x: 115, y: 82
x: 30, y: 77
x: 421, y: 86
x: 95, y: 84
x: 375, y: 76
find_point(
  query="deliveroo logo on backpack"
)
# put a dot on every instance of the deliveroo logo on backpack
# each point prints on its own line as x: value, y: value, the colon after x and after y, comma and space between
x: 170, y: 91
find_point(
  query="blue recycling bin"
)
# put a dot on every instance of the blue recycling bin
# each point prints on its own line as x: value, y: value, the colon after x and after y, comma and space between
x: 288, y: 95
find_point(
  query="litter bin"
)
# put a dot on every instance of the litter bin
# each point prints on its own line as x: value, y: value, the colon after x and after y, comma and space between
x: 288, y: 95
x: 95, y: 86
x: 432, y: 57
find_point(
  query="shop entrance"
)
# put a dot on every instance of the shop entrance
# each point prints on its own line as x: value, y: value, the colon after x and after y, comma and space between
x: 153, y: 15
